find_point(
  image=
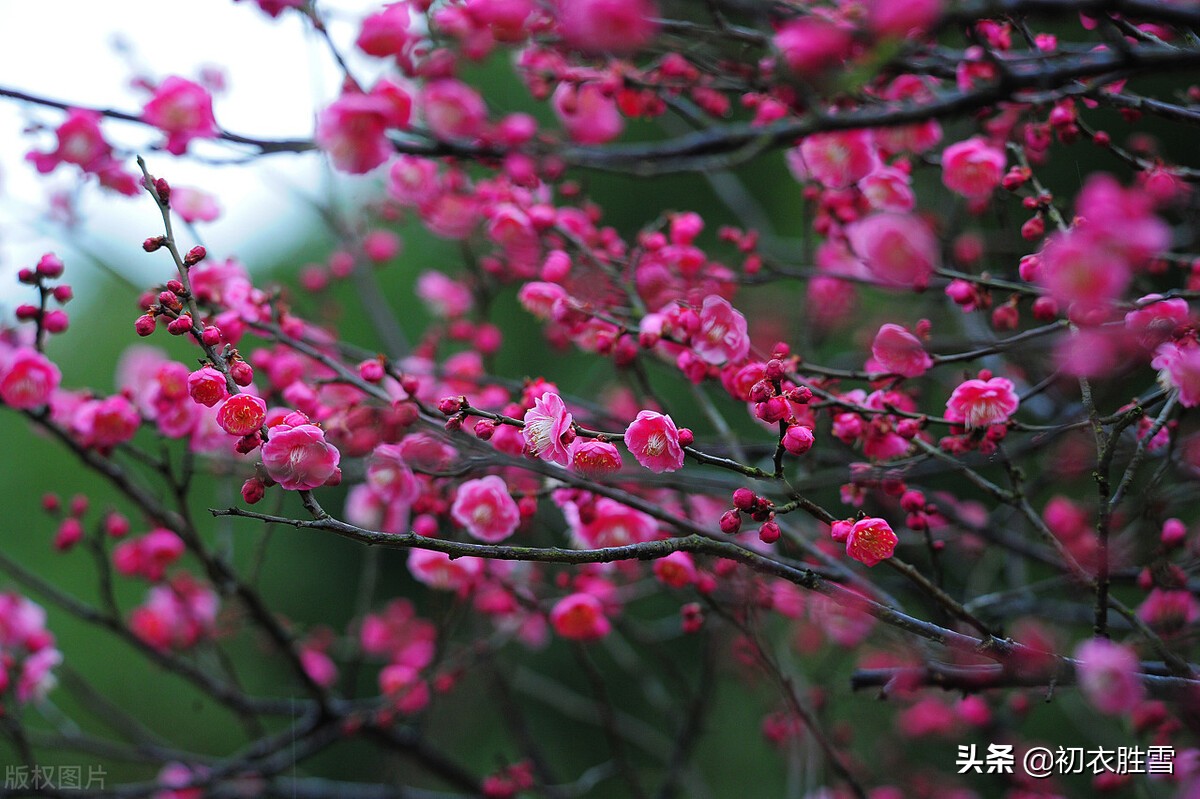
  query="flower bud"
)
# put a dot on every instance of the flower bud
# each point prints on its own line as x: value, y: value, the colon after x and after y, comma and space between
x: 761, y: 391
x: 769, y: 533
x: 242, y: 373
x: 744, y: 499
x: 145, y: 324
x: 194, y: 256
x: 180, y: 325
x: 153, y: 243
x: 253, y: 491
x: 55, y: 321
x: 50, y: 265
x: 800, y: 395
x: 798, y: 439
x: 451, y: 405
x: 731, y: 522
x: 371, y: 370
x: 773, y: 410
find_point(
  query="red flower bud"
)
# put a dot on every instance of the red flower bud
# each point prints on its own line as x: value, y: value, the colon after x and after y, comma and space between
x: 371, y: 371
x: 744, y: 499
x: 180, y: 325
x: 242, y: 373
x: 761, y: 391
x: 194, y: 256
x: 50, y: 265
x: 153, y: 243
x: 145, y: 324
x: 253, y: 491
x: 731, y: 522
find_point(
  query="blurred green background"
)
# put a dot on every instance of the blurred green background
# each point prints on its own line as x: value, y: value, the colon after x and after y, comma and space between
x: 313, y: 579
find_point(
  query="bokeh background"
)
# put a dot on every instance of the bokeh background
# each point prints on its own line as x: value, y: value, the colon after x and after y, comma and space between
x: 277, y: 75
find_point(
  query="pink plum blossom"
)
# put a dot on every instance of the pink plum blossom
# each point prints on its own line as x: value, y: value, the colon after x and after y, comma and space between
x: 27, y: 379
x: 386, y: 33
x: 899, y: 249
x: 722, y: 335
x: 389, y: 475
x: 610, y: 524
x: 105, y: 423
x: 452, y: 109
x: 148, y: 556
x: 810, y: 45
x: 593, y: 457
x: 898, y: 351
x: 400, y: 635
x: 1179, y: 368
x: 444, y: 296
x: 972, y: 168
x: 486, y: 509
x: 1081, y: 268
x: 653, y: 440
x: 841, y: 158
x: 587, y: 113
x: 870, y: 541
x: 413, y: 181
x: 677, y: 570
x: 241, y: 414
x: 177, y: 615
x: 437, y: 570
x: 194, y: 205
x: 404, y: 687
x: 981, y: 403
x: 545, y: 425
x: 207, y: 386
x: 902, y: 20
x: 27, y: 653
x: 81, y: 142
x: 580, y: 617
x: 1123, y: 217
x: 299, y: 458
x: 612, y: 26
x: 183, y: 110
x: 1157, y: 319
x: 888, y: 189
x: 1170, y: 611
x: 353, y: 128
x: 1108, y: 676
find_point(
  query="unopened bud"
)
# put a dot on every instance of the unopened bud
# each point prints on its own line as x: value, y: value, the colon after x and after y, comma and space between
x: 145, y: 324
x: 194, y: 256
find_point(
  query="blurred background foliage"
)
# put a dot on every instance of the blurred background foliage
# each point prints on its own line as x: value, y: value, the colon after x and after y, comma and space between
x: 314, y: 579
